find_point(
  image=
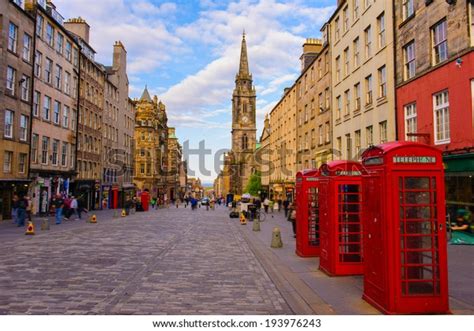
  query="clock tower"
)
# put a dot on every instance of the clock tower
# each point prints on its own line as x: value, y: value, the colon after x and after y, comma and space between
x: 243, y: 124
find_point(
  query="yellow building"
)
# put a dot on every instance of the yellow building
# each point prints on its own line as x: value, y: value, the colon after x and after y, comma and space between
x: 363, y: 96
x: 150, y: 147
x: 283, y: 146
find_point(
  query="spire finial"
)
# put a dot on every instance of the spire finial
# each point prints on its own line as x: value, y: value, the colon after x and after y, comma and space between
x: 243, y: 34
x: 244, y: 65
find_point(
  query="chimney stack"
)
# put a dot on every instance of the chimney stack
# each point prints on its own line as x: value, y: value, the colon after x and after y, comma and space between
x: 79, y: 27
x: 311, y: 49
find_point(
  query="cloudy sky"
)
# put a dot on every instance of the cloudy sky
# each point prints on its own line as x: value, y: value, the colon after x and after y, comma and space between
x: 187, y: 52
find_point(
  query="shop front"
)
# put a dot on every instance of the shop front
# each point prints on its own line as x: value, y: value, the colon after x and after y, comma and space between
x: 7, y: 189
x: 459, y: 180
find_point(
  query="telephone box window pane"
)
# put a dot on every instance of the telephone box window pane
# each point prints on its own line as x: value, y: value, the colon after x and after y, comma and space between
x: 417, y: 183
x: 417, y: 212
x: 354, y: 198
x: 347, y: 188
x: 313, y: 217
x: 417, y: 197
x: 419, y: 242
x: 349, y: 208
x: 425, y: 228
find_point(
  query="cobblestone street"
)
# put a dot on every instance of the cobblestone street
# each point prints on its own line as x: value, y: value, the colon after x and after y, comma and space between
x: 169, y: 261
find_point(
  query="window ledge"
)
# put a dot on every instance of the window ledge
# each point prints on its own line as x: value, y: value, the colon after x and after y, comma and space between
x: 408, y: 19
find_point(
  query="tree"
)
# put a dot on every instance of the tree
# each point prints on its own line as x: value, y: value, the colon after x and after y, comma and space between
x: 254, y: 184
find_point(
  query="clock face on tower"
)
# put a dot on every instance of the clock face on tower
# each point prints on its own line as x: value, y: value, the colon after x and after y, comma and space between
x: 245, y: 119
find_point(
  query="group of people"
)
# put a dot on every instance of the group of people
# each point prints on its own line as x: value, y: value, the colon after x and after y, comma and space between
x: 21, y: 209
x: 67, y: 206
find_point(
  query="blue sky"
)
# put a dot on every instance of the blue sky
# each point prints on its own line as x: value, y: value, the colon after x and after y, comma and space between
x: 187, y: 52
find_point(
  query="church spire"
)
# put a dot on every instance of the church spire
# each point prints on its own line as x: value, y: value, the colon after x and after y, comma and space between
x: 145, y: 95
x: 244, y: 63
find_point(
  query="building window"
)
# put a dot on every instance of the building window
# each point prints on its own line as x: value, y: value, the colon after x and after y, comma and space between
x: 67, y: 83
x: 38, y: 62
x: 440, y: 42
x: 22, y: 163
x: 346, y: 62
x: 345, y: 15
x: 71, y: 156
x: 320, y: 103
x: 50, y: 34
x: 59, y: 43
x: 409, y: 60
x: 338, y: 69
x: 337, y: 28
x: 48, y: 68
x: 73, y: 119
x: 68, y: 51
x: 320, y: 135
x: 44, y: 150
x: 57, y: 112
x: 23, y: 127
x: 75, y: 56
x: 320, y: 68
x: 356, y: 9
x: 348, y: 146
x: 369, y: 135
x: 245, y: 142
x: 382, y: 82
x: 381, y: 30
x: 26, y: 47
x: 407, y: 9
x: 368, y: 42
x: 54, y: 156
x: 327, y: 130
x: 66, y: 116
x: 367, y: 3
x: 36, y: 103
x: 34, y: 148
x: 410, y: 121
x: 59, y: 73
x: 441, y: 116
x: 383, y: 132
x: 356, y: 59
x: 347, y: 103
x: 357, y: 142
x: 339, y: 146
x: 7, y: 162
x: 46, y: 108
x: 142, y: 168
x: 25, y: 88
x: 12, y: 37
x: 357, y: 102
x: 8, y: 127
x: 339, y: 107
x: 39, y: 25
x: 328, y: 98
x: 368, y: 89
x: 11, y: 79
x: 64, y: 154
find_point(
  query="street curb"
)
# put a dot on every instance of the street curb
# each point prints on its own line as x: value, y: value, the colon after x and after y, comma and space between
x: 300, y: 297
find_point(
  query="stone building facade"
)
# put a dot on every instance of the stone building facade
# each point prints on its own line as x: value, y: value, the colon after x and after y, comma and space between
x: 55, y: 105
x: 435, y: 86
x: 86, y: 186
x: 363, y: 98
x: 283, y: 146
x: 118, y: 130
x: 16, y: 72
x: 174, y: 166
x: 313, y: 106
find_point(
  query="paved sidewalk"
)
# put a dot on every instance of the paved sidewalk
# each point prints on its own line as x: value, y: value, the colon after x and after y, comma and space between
x: 310, y: 291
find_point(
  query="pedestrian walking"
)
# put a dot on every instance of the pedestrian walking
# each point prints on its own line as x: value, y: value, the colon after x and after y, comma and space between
x: 280, y: 203
x: 266, y: 204
x: 15, y: 208
x: 59, y: 205
x: 29, y: 208
x: 153, y: 202
x: 75, y: 207
x: 292, y: 218
x: 276, y: 206
x: 286, y: 205
x: 271, y: 205
x: 21, y: 205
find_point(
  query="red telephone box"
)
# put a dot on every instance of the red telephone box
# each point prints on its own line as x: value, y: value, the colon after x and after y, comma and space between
x: 340, y: 202
x: 145, y: 199
x: 404, y: 229
x: 307, y: 213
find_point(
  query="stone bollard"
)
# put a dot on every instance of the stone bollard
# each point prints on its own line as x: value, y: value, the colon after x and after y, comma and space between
x: 45, y: 224
x: 256, y: 225
x: 132, y: 210
x: 276, y: 238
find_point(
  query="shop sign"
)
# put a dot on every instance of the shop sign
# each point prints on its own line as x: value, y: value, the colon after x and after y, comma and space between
x: 414, y: 159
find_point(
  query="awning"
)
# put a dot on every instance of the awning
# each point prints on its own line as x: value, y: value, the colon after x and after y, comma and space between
x: 459, y: 164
